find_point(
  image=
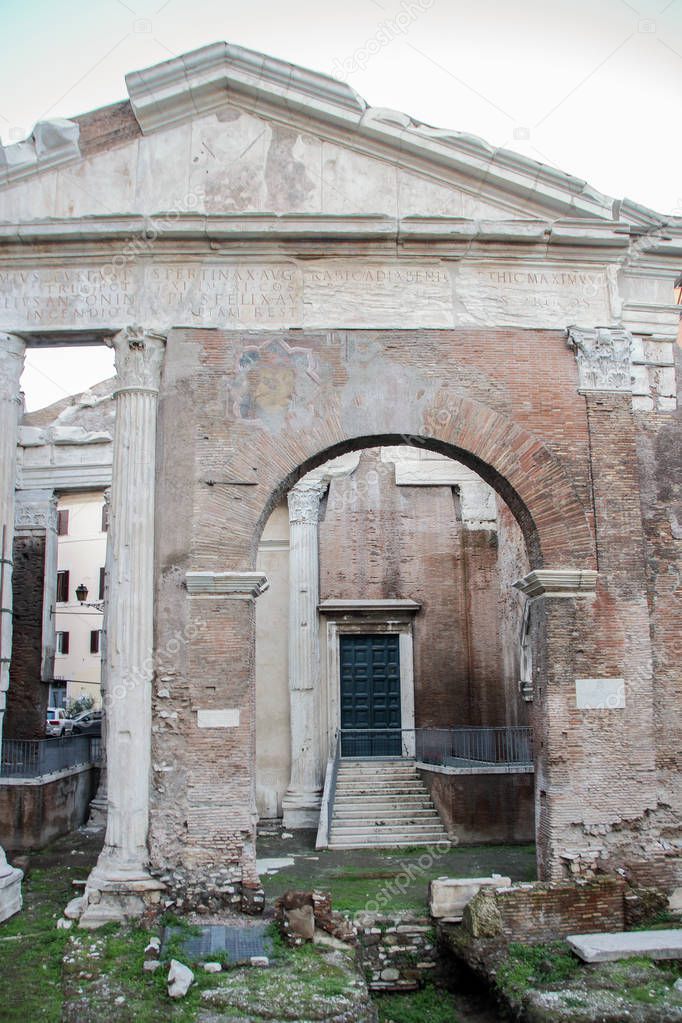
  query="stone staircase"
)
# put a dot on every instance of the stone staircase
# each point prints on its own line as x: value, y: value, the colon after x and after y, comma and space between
x: 382, y: 804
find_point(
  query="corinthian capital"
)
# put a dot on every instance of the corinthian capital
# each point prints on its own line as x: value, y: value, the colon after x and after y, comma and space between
x: 138, y: 358
x: 304, y: 501
x: 12, y: 350
x: 603, y: 355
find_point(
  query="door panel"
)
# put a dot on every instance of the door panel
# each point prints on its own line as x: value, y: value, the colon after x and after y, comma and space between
x: 370, y: 696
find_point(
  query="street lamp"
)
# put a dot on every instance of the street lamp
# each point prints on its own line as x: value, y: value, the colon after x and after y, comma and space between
x: 82, y: 598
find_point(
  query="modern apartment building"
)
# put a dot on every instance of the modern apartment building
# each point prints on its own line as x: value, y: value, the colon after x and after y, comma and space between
x: 82, y: 541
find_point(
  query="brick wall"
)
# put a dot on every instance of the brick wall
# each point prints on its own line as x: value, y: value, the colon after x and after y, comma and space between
x: 244, y: 415
x: 486, y: 807
x: 34, y: 812
x: 541, y: 912
x: 27, y: 695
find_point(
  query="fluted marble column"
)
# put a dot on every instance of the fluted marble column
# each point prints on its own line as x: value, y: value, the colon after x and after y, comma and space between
x: 12, y: 350
x: 120, y: 884
x: 301, y: 803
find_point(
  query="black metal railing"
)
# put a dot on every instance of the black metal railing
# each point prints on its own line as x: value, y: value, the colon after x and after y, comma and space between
x: 444, y: 747
x: 375, y: 742
x: 32, y: 758
x: 474, y: 747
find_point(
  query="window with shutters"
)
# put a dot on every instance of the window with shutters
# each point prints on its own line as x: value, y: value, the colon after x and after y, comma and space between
x: 94, y: 641
x: 63, y: 586
x: 63, y: 523
x: 62, y: 642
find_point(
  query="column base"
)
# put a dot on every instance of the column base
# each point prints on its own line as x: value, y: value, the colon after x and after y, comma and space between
x: 301, y: 809
x: 97, y: 820
x: 115, y: 893
x: 10, y: 891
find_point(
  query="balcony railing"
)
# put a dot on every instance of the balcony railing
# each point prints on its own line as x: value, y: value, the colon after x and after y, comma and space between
x: 444, y: 747
x: 32, y: 758
x: 475, y: 747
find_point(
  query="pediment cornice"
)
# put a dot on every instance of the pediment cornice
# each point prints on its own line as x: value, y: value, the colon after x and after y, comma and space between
x: 222, y: 74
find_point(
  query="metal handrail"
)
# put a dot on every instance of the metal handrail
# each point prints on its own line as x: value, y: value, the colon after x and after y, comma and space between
x: 462, y: 747
x: 32, y: 758
x: 504, y: 745
x: 333, y: 777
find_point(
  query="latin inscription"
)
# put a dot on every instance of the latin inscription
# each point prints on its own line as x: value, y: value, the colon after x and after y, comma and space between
x: 532, y: 296
x: 328, y: 293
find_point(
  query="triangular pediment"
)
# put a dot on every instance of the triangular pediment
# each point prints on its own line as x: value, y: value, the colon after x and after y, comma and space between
x: 225, y: 130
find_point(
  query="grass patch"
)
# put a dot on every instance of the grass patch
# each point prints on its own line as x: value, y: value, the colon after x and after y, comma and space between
x: 31, y: 949
x: 430, y: 1005
x: 391, y: 879
x: 533, y: 966
x: 305, y: 982
x: 106, y: 965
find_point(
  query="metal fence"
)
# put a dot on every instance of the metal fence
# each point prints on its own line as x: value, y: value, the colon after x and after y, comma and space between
x: 475, y: 747
x: 32, y: 758
x: 443, y: 747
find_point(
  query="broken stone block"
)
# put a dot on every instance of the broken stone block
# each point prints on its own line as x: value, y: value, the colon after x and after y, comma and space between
x: 74, y: 908
x: 151, y: 965
x: 212, y: 968
x: 481, y: 916
x: 449, y: 895
x: 180, y: 979
x: 301, y: 921
x: 153, y: 948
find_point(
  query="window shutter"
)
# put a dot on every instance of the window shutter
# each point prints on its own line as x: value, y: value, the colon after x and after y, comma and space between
x: 63, y: 522
x: 63, y: 586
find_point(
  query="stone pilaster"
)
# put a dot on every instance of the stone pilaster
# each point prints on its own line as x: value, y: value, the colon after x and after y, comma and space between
x: 12, y: 350
x: 301, y: 803
x: 120, y: 884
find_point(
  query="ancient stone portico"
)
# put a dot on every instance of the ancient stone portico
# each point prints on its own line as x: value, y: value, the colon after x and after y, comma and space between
x: 288, y: 276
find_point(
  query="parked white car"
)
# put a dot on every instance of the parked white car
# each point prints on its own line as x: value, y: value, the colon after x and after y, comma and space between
x: 57, y: 723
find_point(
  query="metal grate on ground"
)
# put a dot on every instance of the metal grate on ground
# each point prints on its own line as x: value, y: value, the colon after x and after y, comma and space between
x: 239, y: 944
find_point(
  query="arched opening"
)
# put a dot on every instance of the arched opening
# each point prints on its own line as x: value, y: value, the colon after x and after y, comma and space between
x: 422, y: 644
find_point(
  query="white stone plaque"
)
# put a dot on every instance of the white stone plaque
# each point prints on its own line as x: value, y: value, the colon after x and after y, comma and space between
x: 342, y: 293
x: 600, y: 693
x: 530, y: 295
x: 349, y: 293
x: 226, y: 718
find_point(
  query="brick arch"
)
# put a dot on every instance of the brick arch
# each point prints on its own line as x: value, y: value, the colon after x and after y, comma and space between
x: 526, y: 474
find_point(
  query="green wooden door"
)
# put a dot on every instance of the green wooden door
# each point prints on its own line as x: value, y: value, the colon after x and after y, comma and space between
x: 370, y: 696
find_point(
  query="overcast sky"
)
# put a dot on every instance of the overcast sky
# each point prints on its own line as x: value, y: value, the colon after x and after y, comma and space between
x: 590, y: 86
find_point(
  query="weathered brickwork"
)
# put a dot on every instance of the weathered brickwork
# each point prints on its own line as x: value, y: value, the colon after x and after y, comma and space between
x: 485, y: 807
x: 541, y: 912
x: 27, y: 697
x: 243, y: 416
